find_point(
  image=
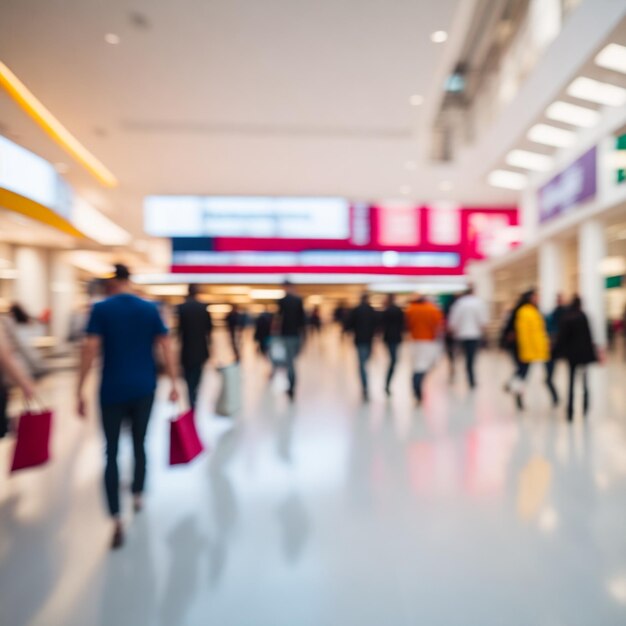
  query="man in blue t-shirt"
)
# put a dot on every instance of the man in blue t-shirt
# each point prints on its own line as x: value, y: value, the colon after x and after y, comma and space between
x: 125, y: 329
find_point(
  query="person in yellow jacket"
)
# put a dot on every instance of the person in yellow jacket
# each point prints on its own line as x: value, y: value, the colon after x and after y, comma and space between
x: 532, y: 344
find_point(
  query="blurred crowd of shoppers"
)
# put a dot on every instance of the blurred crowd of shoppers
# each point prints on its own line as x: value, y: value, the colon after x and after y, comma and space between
x: 128, y: 332
x: 564, y: 334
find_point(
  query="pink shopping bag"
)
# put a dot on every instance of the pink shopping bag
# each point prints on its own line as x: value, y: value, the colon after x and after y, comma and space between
x: 32, y: 447
x: 185, y: 445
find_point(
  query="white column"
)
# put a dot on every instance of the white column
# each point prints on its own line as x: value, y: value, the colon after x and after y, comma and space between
x: 31, y: 280
x: 551, y: 274
x: 591, y: 252
x: 62, y: 295
x: 529, y: 215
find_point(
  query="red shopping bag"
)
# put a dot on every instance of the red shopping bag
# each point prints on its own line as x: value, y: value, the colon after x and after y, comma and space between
x: 185, y: 445
x: 32, y: 447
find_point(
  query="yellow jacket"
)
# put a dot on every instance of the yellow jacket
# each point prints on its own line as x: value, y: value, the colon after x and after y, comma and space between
x: 531, y: 336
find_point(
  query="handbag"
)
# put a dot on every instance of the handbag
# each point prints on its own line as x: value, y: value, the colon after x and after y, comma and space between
x: 185, y: 444
x: 32, y: 447
x: 229, y: 399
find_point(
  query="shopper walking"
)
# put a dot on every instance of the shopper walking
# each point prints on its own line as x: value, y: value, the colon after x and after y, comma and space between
x: 11, y: 373
x: 532, y: 346
x: 449, y: 341
x: 468, y: 322
x: 234, y: 324
x: 424, y: 321
x: 393, y: 328
x: 263, y: 332
x: 194, y: 327
x: 125, y: 329
x: 575, y: 344
x: 291, y: 324
x: 362, y: 323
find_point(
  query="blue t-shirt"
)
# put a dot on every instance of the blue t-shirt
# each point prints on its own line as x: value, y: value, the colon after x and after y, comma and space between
x: 128, y: 327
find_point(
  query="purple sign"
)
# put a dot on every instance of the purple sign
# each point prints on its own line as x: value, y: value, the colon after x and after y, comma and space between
x: 572, y: 186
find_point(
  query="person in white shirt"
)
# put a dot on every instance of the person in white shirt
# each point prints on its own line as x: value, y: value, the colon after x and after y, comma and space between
x: 468, y: 320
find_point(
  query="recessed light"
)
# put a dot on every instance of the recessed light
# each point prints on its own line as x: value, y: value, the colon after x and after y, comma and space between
x: 529, y: 160
x: 612, y: 57
x: 551, y: 136
x: 410, y: 165
x: 572, y: 114
x: 439, y: 36
x: 405, y: 190
x: 416, y: 100
x: 445, y: 185
x: 595, y: 91
x: 506, y: 179
x: 112, y: 39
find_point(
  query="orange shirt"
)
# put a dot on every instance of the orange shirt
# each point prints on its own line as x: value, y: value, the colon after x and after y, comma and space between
x: 424, y: 321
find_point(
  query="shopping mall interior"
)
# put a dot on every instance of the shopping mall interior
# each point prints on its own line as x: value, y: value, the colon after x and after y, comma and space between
x: 461, y: 157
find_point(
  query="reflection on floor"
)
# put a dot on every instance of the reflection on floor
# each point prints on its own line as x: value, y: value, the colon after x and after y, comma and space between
x: 331, y: 513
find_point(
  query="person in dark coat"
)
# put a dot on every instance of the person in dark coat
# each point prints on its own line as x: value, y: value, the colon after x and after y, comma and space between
x: 234, y: 322
x: 362, y: 323
x: 263, y: 331
x: 575, y: 344
x: 393, y: 328
x: 194, y: 328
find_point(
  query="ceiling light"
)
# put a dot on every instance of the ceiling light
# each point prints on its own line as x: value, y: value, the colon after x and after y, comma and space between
x: 529, y: 160
x: 416, y: 100
x: 267, y: 294
x: 167, y: 290
x: 405, y: 190
x: 439, y: 36
x: 551, y: 136
x: 27, y: 101
x: 612, y: 57
x: 445, y: 185
x: 506, y: 179
x: 410, y: 165
x: 595, y: 91
x: 112, y: 38
x: 572, y: 114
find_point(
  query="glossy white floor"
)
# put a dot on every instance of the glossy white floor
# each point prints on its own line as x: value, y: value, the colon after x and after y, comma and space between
x: 331, y: 513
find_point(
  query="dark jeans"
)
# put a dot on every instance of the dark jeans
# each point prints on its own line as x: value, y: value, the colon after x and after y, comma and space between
x: 522, y: 372
x: 570, y: 395
x: 137, y: 412
x: 392, y: 347
x: 418, y: 380
x: 234, y: 342
x: 193, y: 376
x: 470, y: 348
x: 450, y: 346
x: 292, y: 348
x: 364, y: 351
x: 4, y: 418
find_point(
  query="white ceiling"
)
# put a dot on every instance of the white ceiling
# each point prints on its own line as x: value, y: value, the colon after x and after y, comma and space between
x: 236, y: 96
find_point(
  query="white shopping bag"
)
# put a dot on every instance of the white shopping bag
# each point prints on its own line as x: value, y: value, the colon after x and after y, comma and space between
x: 229, y: 399
x: 280, y: 382
x: 278, y: 352
x: 424, y: 354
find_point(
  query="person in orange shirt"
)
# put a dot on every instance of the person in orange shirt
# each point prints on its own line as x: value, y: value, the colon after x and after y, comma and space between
x: 424, y: 321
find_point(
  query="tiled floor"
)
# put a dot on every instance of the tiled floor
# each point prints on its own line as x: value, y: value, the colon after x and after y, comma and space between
x: 331, y: 513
